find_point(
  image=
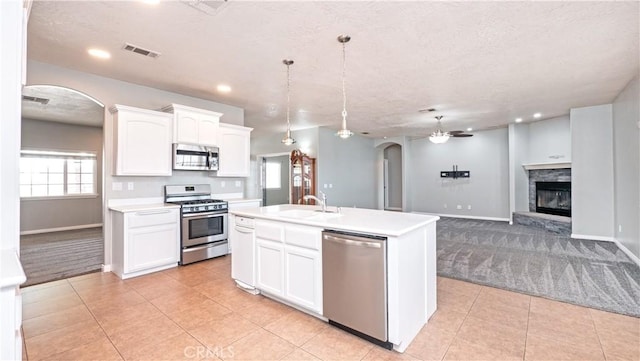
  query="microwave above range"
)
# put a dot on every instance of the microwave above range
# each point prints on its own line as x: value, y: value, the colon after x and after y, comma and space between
x: 195, y: 157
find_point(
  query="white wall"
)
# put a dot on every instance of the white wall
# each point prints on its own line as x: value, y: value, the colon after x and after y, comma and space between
x: 626, y: 155
x: 485, y: 155
x: 592, y: 172
x: 550, y: 140
x: 350, y: 166
x: 518, y: 176
x: 43, y: 214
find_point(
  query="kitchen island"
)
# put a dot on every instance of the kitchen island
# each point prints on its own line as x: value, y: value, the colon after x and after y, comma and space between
x: 278, y: 250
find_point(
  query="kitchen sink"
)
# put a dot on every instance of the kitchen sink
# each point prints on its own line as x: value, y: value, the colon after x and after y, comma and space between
x: 308, y: 214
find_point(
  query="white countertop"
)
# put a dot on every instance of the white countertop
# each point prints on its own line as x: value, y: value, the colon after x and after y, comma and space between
x: 141, y: 207
x: 11, y: 270
x: 367, y: 221
x: 242, y: 200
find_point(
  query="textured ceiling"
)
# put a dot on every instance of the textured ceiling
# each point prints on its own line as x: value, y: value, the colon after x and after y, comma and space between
x: 480, y: 64
x: 64, y: 106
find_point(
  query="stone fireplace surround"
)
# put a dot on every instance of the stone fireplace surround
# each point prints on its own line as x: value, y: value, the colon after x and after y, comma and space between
x: 556, y: 224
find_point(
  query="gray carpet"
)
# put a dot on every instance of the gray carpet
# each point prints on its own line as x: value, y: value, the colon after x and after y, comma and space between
x: 595, y: 274
x: 52, y: 256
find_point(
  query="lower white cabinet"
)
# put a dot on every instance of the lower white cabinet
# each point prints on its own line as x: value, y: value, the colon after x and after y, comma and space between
x: 145, y: 241
x: 289, y: 263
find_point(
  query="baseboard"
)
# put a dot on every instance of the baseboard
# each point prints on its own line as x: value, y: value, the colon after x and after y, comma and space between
x: 466, y: 217
x: 58, y: 229
x: 106, y: 268
x: 626, y: 251
x: 592, y: 238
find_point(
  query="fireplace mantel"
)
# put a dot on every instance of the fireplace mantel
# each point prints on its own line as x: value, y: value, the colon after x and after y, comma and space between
x: 559, y: 165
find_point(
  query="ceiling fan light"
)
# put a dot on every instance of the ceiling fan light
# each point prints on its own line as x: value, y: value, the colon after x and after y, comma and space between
x: 288, y: 141
x: 344, y: 133
x: 439, y: 137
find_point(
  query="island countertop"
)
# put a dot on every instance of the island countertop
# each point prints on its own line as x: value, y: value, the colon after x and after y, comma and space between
x: 360, y: 220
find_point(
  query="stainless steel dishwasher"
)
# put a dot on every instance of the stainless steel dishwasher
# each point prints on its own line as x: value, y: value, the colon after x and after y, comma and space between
x: 354, y: 280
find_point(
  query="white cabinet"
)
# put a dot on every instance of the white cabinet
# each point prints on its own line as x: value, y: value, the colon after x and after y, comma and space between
x: 145, y: 241
x: 289, y: 263
x: 194, y: 126
x: 142, y: 141
x: 235, y: 153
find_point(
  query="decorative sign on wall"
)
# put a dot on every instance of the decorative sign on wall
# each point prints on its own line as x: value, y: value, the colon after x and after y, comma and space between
x: 455, y: 173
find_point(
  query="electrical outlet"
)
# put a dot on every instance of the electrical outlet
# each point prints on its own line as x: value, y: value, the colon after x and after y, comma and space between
x: 459, y: 206
x: 620, y: 228
x: 325, y: 186
x: 116, y: 186
x: 238, y: 183
x: 130, y: 186
x: 445, y: 205
x: 223, y: 184
x: 330, y: 185
x: 469, y: 206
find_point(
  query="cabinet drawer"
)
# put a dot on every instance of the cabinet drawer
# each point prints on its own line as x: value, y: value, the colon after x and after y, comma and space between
x: 307, y: 237
x: 152, y: 217
x: 269, y: 230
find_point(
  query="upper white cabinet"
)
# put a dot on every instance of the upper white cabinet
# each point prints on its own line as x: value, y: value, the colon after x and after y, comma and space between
x: 142, y: 141
x: 194, y: 126
x: 235, y: 142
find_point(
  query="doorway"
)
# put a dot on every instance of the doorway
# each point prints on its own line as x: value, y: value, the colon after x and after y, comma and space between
x: 392, y: 179
x: 275, y: 179
x: 61, y: 178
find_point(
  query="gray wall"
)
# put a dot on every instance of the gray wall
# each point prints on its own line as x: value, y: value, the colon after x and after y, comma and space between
x: 279, y: 196
x: 350, y: 166
x: 487, y: 190
x: 626, y: 156
x: 519, y: 151
x: 306, y: 141
x: 592, y: 171
x: 550, y: 140
x: 56, y: 213
x: 393, y: 155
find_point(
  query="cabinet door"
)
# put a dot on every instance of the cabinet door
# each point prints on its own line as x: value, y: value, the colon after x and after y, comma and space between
x: 208, y: 129
x: 186, y: 128
x: 270, y: 266
x: 153, y: 246
x: 303, y: 277
x: 143, y: 142
x: 235, y: 144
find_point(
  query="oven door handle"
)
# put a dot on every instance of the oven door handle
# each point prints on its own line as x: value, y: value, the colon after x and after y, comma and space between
x: 204, y: 215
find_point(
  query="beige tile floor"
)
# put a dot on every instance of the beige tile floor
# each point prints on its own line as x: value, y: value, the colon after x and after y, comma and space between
x: 196, y: 313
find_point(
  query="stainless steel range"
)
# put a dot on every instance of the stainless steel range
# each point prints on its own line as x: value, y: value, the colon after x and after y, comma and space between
x: 204, y: 228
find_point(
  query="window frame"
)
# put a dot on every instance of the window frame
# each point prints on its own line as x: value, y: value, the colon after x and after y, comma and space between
x: 65, y: 154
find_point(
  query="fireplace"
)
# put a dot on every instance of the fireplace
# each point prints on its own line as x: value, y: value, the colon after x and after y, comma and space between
x: 553, y: 198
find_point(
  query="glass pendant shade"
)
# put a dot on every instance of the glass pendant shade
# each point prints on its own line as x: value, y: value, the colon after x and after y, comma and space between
x: 344, y: 133
x: 439, y: 137
x: 287, y: 140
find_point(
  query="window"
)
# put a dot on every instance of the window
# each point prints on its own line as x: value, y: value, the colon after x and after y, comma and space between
x: 56, y: 174
x: 272, y: 171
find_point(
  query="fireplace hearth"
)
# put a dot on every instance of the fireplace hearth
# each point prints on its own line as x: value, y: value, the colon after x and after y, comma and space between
x: 553, y: 198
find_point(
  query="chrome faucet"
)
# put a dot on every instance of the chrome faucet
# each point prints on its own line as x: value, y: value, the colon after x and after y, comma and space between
x: 322, y: 201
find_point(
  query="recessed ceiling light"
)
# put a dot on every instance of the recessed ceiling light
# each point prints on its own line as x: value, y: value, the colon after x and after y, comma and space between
x: 537, y: 115
x: 98, y: 53
x: 518, y: 120
x: 469, y: 129
x: 223, y: 88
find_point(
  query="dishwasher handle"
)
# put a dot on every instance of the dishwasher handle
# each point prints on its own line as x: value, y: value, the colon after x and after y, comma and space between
x: 350, y: 242
x: 243, y: 229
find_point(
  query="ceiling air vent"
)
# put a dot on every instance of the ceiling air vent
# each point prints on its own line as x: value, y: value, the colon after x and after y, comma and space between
x: 209, y: 7
x: 42, y: 101
x: 141, y: 51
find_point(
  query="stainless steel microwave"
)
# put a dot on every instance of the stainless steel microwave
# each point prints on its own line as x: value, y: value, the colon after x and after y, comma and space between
x: 194, y: 157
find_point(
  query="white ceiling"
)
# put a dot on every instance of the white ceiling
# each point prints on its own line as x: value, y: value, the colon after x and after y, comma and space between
x: 480, y: 64
x: 64, y: 106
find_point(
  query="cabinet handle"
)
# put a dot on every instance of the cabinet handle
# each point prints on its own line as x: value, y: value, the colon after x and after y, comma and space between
x: 350, y: 242
x: 148, y: 213
x: 244, y: 229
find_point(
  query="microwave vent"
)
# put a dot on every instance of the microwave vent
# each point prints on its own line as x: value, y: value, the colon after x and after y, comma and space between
x: 141, y: 51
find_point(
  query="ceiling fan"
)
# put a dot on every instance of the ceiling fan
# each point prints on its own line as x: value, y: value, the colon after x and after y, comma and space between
x: 439, y: 137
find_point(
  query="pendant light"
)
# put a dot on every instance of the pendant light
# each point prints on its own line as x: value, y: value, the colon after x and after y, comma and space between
x: 344, y: 133
x: 287, y: 140
x: 439, y: 137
